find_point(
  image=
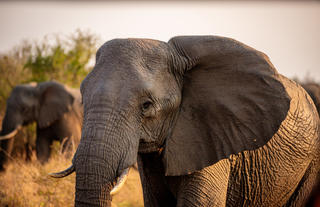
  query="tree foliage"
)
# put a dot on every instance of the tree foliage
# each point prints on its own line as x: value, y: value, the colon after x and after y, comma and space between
x: 12, y: 70
x: 66, y: 61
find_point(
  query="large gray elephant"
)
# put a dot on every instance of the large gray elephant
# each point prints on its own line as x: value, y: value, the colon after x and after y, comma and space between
x: 209, y: 119
x: 57, y: 110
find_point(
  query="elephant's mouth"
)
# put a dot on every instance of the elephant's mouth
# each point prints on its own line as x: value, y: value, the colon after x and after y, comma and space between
x: 147, y: 147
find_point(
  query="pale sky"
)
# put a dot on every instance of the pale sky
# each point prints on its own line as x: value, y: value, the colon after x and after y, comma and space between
x: 288, y: 32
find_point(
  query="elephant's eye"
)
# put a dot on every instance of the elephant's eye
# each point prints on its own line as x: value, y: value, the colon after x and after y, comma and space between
x: 146, y: 105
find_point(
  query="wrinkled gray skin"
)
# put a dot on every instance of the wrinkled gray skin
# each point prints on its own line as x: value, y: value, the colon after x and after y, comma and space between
x: 55, y: 108
x: 313, y: 90
x: 209, y: 120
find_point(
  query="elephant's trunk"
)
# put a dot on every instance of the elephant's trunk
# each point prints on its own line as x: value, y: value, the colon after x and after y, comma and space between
x: 10, y: 126
x: 102, y: 156
x: 93, y: 181
x: 92, y: 188
x: 10, y: 123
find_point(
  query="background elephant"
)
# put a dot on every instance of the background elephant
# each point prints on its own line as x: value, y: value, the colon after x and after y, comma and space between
x: 210, y: 120
x: 56, y: 109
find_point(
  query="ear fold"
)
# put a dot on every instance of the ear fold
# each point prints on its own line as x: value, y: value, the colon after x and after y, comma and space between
x: 232, y: 101
x: 55, y: 100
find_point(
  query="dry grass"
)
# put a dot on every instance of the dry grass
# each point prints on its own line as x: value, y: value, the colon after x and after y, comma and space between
x: 28, y: 184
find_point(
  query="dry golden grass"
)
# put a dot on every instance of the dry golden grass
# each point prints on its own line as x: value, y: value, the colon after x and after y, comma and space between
x: 28, y: 185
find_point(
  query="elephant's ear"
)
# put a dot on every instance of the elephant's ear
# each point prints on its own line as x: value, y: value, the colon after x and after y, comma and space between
x: 232, y: 100
x: 55, y: 100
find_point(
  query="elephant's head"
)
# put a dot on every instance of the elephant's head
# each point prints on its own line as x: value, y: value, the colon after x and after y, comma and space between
x: 195, y: 100
x: 44, y: 103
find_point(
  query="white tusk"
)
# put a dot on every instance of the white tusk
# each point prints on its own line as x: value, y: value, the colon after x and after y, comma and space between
x: 120, y: 182
x: 63, y: 173
x: 11, y: 134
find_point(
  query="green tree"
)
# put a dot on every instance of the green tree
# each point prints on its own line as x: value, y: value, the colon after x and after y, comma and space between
x: 66, y: 61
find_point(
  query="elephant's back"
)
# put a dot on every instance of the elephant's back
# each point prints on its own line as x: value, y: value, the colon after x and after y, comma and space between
x: 302, y: 113
x: 269, y: 175
x: 313, y: 90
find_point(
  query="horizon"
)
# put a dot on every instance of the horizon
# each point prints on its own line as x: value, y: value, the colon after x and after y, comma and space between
x: 288, y: 32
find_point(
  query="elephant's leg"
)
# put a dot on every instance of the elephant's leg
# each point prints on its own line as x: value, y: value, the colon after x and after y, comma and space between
x: 314, y: 199
x: 68, y: 132
x: 6, y: 147
x: 305, y: 186
x: 10, y: 146
x: 28, y: 150
x: 155, y: 190
x: 43, y: 143
x: 207, y: 187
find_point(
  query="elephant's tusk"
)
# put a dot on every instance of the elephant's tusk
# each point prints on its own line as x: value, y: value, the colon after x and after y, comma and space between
x: 63, y: 173
x: 11, y: 134
x: 120, y: 182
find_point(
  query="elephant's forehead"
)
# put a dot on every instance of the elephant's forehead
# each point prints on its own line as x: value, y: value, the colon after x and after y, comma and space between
x: 133, y: 50
x: 134, y: 43
x: 132, y: 64
x: 132, y: 80
x: 25, y: 89
x: 131, y: 59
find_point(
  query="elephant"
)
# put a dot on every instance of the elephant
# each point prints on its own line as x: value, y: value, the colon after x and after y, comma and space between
x: 209, y: 119
x: 313, y: 90
x: 56, y: 109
